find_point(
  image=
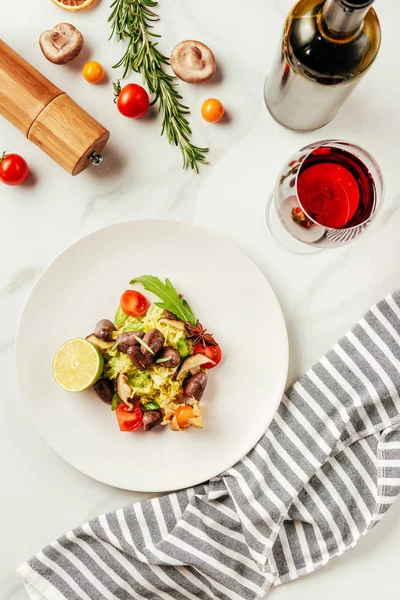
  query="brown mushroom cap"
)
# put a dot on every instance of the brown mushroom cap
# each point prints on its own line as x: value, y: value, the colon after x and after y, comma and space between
x: 61, y: 44
x: 193, y: 61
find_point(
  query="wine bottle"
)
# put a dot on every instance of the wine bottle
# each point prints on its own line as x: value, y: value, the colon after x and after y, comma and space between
x: 327, y: 47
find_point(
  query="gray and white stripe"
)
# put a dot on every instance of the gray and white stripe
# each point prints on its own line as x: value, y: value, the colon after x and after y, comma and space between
x: 325, y: 472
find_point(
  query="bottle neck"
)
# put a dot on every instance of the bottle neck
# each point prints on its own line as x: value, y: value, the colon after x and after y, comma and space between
x: 341, y: 20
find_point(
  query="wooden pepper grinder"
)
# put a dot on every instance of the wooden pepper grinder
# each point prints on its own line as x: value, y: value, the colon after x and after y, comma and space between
x: 47, y: 116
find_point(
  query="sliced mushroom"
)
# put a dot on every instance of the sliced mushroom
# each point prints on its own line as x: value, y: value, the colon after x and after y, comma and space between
x: 170, y: 315
x: 104, y: 330
x: 104, y: 388
x: 137, y: 357
x: 124, y: 390
x: 195, y: 386
x: 100, y: 344
x: 192, y: 364
x: 151, y: 418
x: 173, y: 356
x: 193, y: 61
x: 173, y: 323
x: 61, y: 44
x: 128, y: 339
x: 154, y: 340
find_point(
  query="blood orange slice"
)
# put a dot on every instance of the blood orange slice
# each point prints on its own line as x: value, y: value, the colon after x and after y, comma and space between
x: 73, y: 4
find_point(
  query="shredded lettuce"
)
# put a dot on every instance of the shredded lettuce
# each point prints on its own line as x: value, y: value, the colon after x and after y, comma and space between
x: 141, y: 383
x: 165, y: 389
x: 171, y: 334
x: 151, y: 318
x: 120, y: 363
x: 156, y: 384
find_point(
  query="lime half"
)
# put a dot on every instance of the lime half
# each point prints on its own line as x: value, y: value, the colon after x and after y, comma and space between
x: 77, y: 365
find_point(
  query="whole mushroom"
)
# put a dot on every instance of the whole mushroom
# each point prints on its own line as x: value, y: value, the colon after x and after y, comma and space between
x: 173, y: 356
x: 128, y: 339
x: 151, y: 418
x: 153, y: 342
x: 61, y: 44
x: 104, y: 330
x: 137, y: 357
x: 104, y: 389
x: 193, y: 61
x: 196, y: 385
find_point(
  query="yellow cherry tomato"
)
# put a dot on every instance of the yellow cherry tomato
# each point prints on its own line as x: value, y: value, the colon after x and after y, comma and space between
x: 183, y: 413
x: 93, y: 72
x: 212, y: 110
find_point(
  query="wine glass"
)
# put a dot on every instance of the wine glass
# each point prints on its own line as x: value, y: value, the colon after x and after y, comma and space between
x: 326, y: 195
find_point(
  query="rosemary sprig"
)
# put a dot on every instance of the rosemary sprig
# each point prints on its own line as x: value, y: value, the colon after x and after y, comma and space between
x: 133, y: 20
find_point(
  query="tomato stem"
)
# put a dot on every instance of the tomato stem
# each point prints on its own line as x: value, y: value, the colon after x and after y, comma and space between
x: 117, y: 88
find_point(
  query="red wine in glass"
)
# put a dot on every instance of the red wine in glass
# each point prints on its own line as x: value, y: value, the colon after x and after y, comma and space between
x: 326, y: 195
x: 335, y: 188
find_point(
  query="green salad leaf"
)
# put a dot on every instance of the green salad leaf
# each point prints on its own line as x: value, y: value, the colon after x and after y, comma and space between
x: 183, y: 347
x: 150, y: 406
x: 170, y: 298
x: 120, y: 317
x: 132, y: 327
x: 115, y: 402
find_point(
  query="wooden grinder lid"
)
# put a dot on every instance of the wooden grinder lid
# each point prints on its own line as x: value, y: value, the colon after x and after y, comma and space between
x: 24, y: 92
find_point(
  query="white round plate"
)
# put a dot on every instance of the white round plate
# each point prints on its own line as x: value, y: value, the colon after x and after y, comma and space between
x: 227, y: 293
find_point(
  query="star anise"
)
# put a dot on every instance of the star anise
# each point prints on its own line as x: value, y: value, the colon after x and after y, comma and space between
x: 199, y: 335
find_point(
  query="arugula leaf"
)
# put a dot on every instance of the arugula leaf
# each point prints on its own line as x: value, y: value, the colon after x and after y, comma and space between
x: 170, y: 298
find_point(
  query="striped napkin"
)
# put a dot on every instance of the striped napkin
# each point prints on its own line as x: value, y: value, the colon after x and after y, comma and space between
x: 326, y: 472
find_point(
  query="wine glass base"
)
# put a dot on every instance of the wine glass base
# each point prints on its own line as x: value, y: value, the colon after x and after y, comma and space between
x: 280, y: 235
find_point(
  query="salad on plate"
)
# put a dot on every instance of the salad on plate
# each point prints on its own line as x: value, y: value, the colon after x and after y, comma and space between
x: 150, y: 364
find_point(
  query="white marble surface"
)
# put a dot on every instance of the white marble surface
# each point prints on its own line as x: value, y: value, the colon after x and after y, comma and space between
x: 41, y: 497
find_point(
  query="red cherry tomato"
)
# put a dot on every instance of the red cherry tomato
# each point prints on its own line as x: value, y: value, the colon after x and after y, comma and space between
x: 13, y: 169
x: 212, y: 352
x: 133, y: 101
x: 134, y: 303
x: 129, y: 420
